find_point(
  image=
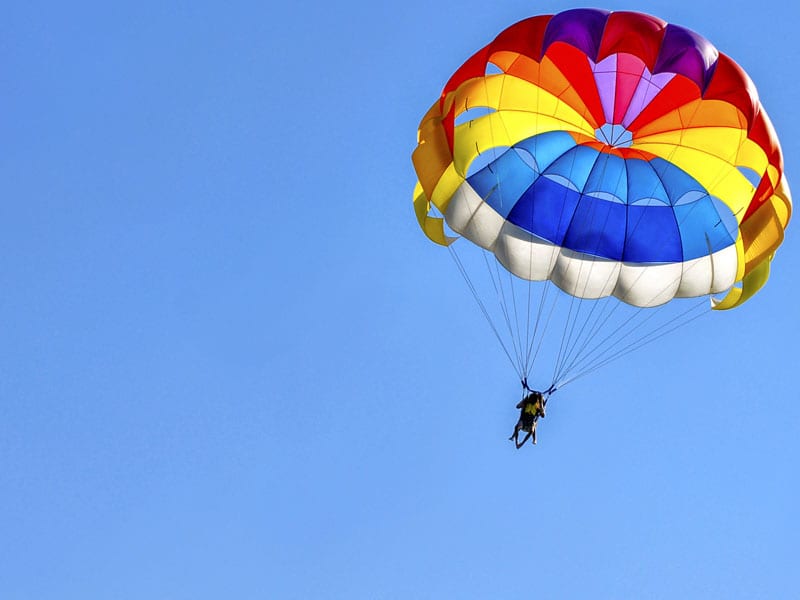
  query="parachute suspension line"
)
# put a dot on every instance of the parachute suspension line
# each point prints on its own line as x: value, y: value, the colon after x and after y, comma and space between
x: 481, y: 305
x: 530, y: 356
x: 497, y: 283
x: 528, y: 340
x: 569, y: 330
x: 585, y: 336
x: 547, y: 322
x: 528, y: 316
x: 612, y: 339
x: 643, y: 341
x: 601, y: 320
x: 515, y: 333
x: 561, y: 348
x: 520, y: 342
x: 573, y: 342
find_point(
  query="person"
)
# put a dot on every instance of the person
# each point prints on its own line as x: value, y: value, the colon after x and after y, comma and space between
x: 531, y: 408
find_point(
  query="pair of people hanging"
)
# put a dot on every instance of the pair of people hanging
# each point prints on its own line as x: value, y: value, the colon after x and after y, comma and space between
x: 531, y: 408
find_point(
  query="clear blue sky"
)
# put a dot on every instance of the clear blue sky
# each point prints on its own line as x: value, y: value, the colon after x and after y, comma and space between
x: 232, y: 367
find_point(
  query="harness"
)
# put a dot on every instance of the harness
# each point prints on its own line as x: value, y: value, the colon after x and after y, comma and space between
x: 545, y: 394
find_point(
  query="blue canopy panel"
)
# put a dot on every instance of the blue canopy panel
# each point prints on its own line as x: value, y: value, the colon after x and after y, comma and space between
x: 589, y: 201
x: 503, y: 181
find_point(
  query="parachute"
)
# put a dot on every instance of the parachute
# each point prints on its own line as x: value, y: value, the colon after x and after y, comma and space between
x: 607, y: 161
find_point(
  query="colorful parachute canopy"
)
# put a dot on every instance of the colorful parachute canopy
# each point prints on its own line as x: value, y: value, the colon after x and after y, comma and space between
x: 611, y: 153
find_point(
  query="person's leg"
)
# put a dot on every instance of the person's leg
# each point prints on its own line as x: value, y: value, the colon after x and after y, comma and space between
x: 525, y: 439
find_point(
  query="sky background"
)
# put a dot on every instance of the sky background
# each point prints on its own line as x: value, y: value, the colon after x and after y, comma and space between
x: 231, y: 366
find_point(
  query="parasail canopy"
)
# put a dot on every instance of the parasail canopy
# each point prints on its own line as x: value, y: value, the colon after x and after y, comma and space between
x: 611, y: 154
